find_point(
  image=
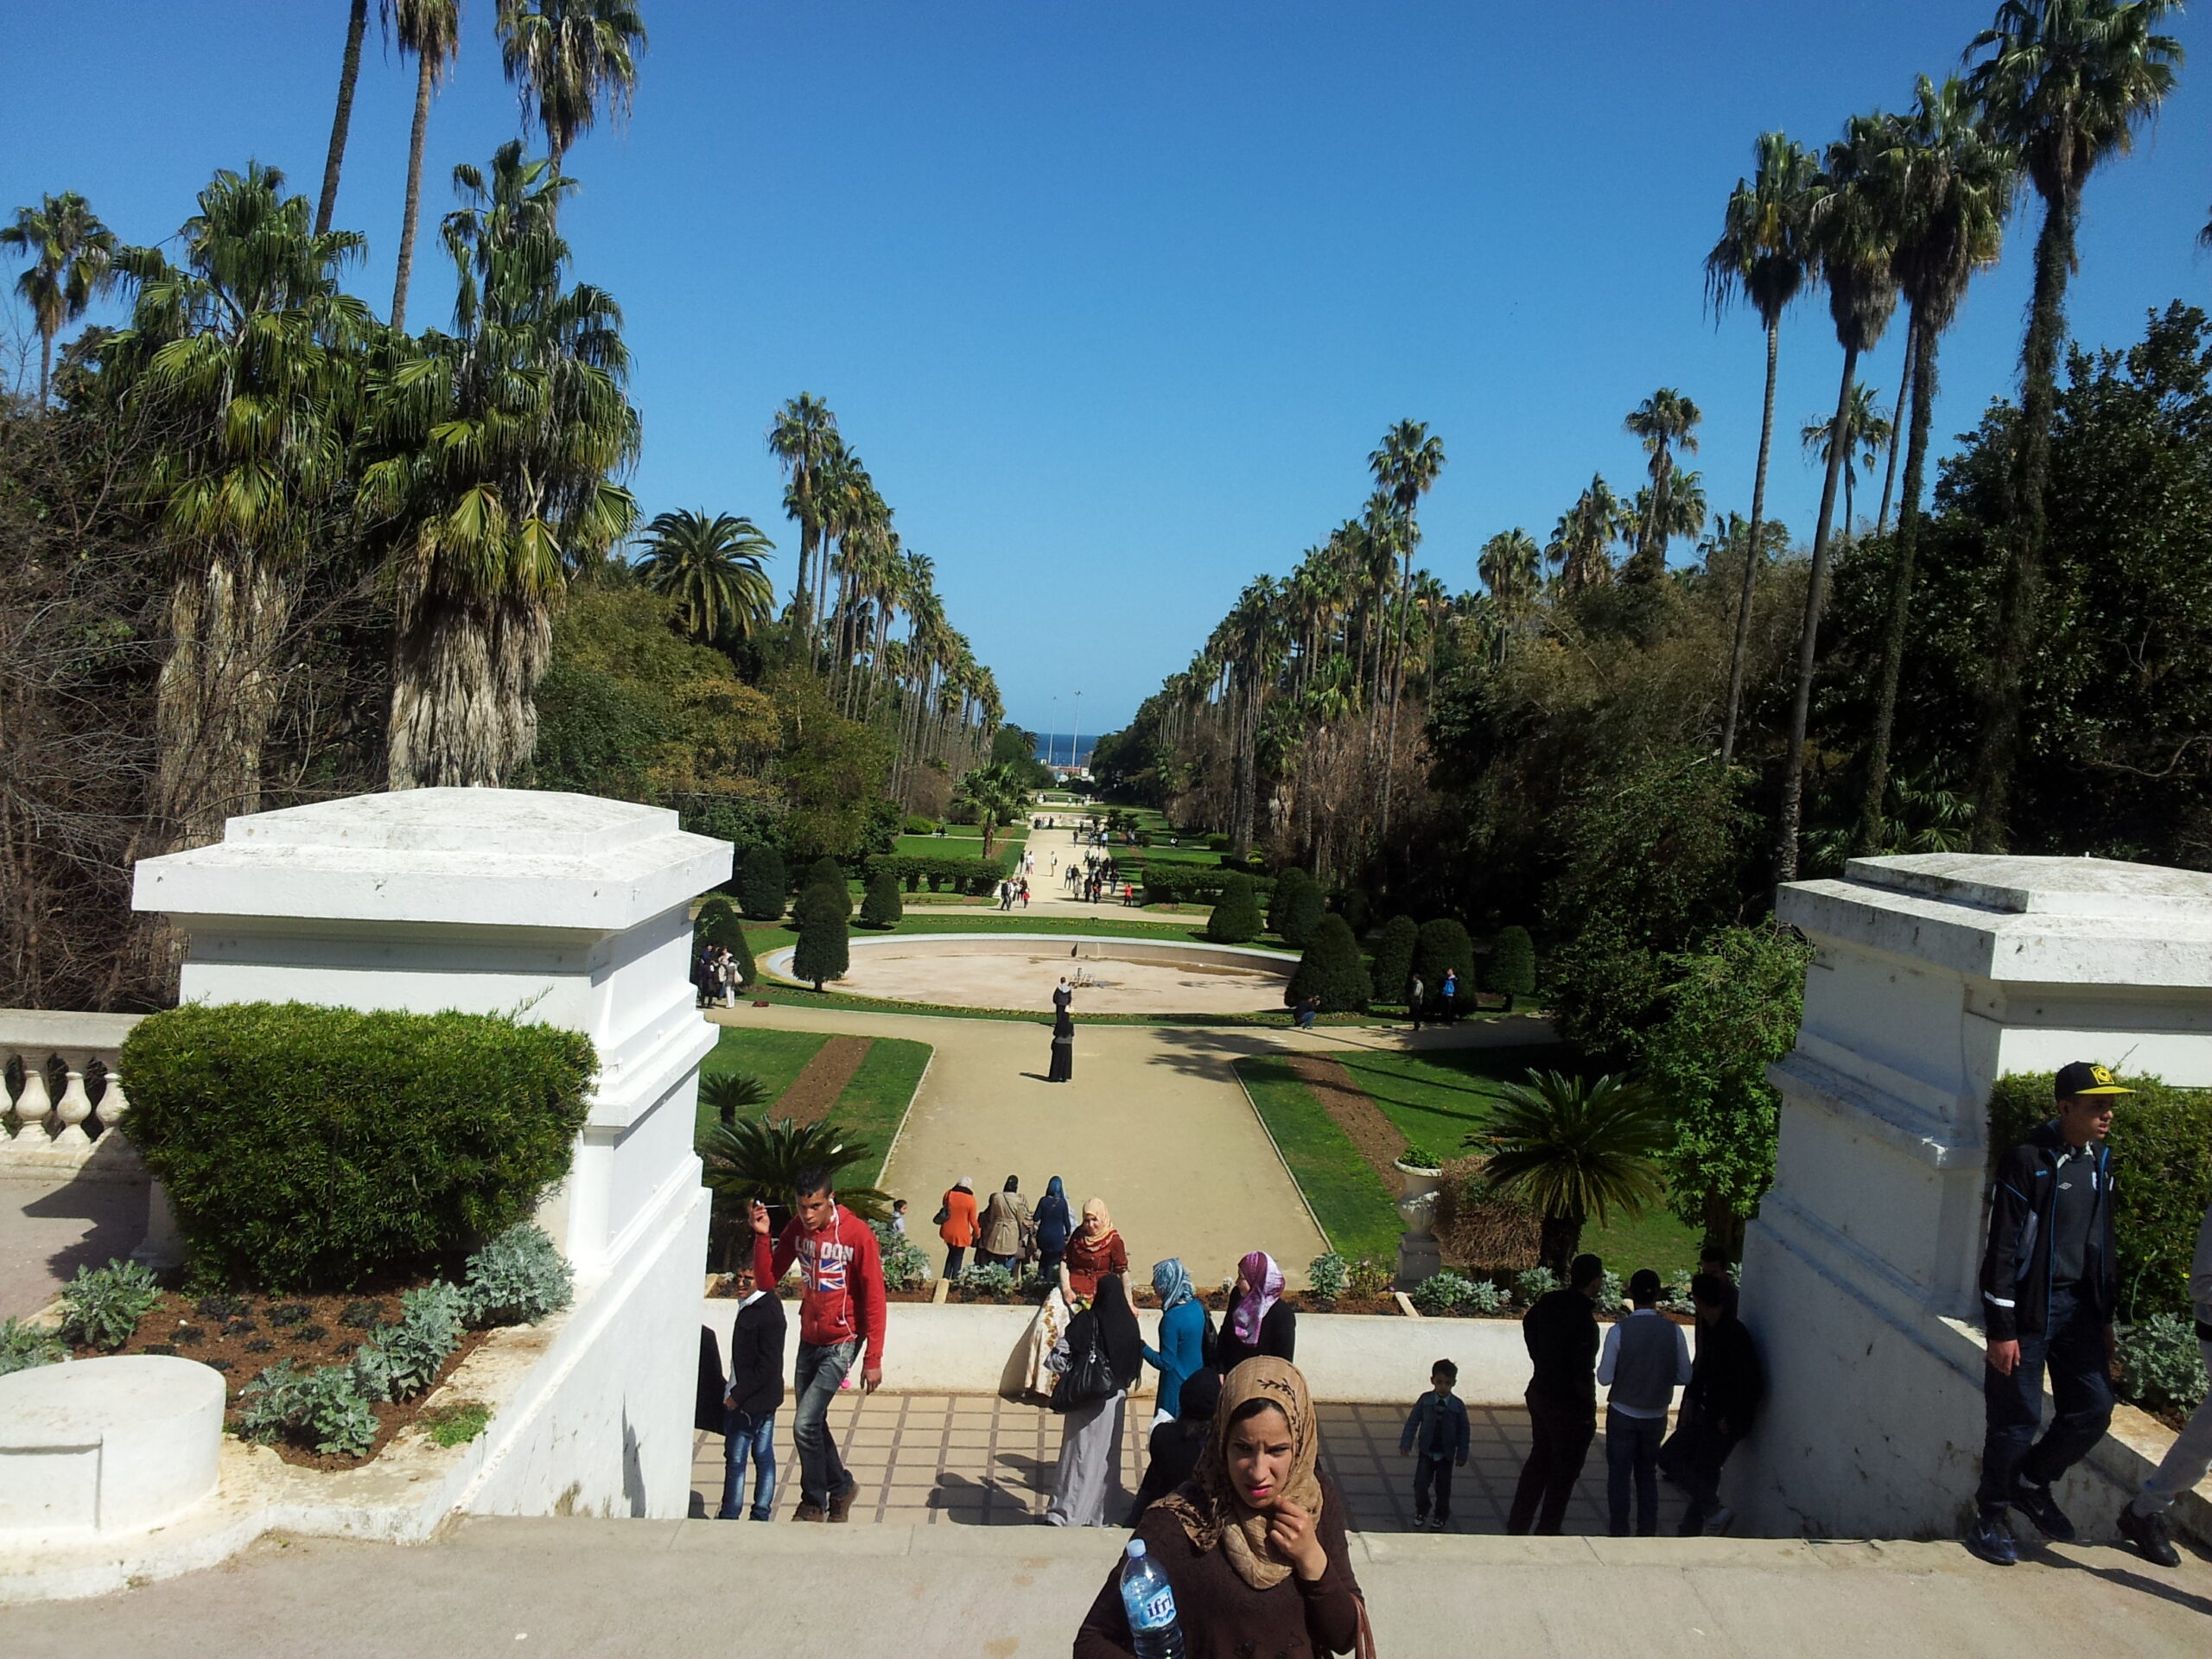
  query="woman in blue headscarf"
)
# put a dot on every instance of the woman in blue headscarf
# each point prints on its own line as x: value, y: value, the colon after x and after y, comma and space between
x: 1182, y: 1335
x: 1054, y: 1225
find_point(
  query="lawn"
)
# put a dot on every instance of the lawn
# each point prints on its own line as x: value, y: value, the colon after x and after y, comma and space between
x: 1112, y: 921
x: 775, y: 1057
x: 1347, y: 1196
x: 963, y: 843
x: 873, y: 1104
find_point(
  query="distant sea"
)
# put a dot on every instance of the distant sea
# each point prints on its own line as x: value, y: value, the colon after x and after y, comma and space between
x: 1056, y: 754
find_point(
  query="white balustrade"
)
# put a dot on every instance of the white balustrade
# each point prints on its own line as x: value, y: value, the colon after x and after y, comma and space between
x: 62, y: 1134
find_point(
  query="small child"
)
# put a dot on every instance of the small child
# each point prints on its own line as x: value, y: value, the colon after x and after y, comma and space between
x: 1437, y: 1425
x: 898, y: 1216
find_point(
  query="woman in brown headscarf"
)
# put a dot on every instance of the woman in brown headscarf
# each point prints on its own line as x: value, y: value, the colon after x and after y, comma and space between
x: 1095, y: 1251
x: 1254, y: 1543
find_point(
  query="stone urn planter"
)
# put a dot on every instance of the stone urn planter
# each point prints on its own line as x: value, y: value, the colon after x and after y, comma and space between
x: 1420, y: 1257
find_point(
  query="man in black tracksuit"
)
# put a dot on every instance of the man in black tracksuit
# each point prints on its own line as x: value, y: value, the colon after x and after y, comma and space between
x: 1560, y: 1332
x: 2047, y: 1292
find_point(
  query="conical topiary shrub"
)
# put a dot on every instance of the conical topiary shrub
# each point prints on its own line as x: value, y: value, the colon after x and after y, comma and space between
x: 1443, y: 945
x: 1394, y: 958
x: 1297, y: 916
x: 883, y: 907
x: 763, y: 885
x: 822, y: 954
x: 1512, y: 963
x: 826, y: 872
x: 1288, y: 882
x: 717, y: 924
x: 1236, y: 916
x: 1331, y: 970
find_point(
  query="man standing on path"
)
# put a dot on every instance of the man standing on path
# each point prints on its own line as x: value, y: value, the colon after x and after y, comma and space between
x: 840, y: 1306
x: 1646, y: 1359
x: 2048, y: 1284
x: 1561, y: 1334
x: 2142, y: 1523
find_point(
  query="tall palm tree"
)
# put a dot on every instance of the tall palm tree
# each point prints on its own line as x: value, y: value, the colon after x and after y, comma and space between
x: 1665, y: 422
x: 1764, y: 254
x: 2065, y: 83
x: 72, y: 259
x: 349, y: 71
x: 1581, y: 538
x: 1955, y: 183
x: 712, y: 568
x: 1573, y: 1150
x: 1509, y: 567
x: 1866, y: 434
x: 1854, y: 235
x: 570, y: 60
x: 803, y: 439
x: 431, y: 30
x: 497, y: 450
x: 247, y: 359
x: 1406, y: 465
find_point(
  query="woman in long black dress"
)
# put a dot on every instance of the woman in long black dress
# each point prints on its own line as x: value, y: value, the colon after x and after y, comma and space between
x: 1063, y: 1048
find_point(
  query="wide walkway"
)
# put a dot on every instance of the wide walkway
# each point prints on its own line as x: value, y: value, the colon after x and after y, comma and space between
x: 50, y: 1227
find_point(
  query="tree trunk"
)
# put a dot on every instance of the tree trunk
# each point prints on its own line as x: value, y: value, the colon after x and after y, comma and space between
x: 215, y: 696
x: 2016, y: 612
x: 1897, y: 428
x: 1751, y: 555
x: 45, y: 364
x: 1559, y: 1238
x: 1397, y: 682
x: 1793, y: 776
x: 464, y: 678
x: 412, y: 211
x: 356, y: 23
x: 1920, y: 372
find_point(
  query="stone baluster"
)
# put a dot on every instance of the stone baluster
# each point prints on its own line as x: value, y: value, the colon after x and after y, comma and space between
x: 33, y: 1104
x: 75, y: 1105
x: 115, y: 1105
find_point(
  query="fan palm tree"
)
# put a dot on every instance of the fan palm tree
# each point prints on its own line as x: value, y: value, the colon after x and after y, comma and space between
x: 1764, y: 254
x: 1510, y: 568
x: 73, y: 259
x: 1956, y: 185
x: 1406, y: 465
x: 999, y: 795
x: 756, y: 1158
x: 1573, y: 1150
x: 496, y: 451
x: 1665, y: 422
x: 349, y: 72
x: 1855, y: 233
x: 2066, y: 83
x: 431, y: 30
x: 804, y: 440
x: 1866, y: 433
x: 712, y: 568
x: 570, y: 60
x: 1581, y: 538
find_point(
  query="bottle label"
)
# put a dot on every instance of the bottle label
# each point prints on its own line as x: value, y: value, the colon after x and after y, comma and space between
x: 1157, y: 1610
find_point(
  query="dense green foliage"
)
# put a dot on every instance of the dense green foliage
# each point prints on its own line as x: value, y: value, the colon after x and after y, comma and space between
x: 1394, y: 958
x: 763, y: 885
x: 1235, y: 917
x: 942, y: 874
x: 1512, y: 968
x: 2162, y: 1363
x: 756, y: 1158
x: 1572, y: 1149
x: 1173, y: 883
x: 101, y: 1306
x: 1331, y: 969
x: 22, y: 1346
x: 1442, y: 946
x: 1297, y: 911
x: 517, y: 1279
x: 308, y: 1147
x: 882, y: 907
x: 822, y: 913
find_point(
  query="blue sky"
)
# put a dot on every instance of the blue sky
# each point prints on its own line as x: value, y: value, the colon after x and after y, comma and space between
x: 1114, y: 300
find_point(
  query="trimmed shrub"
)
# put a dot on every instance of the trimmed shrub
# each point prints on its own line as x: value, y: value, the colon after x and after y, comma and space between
x: 1357, y: 908
x: 1331, y: 969
x: 1217, y: 844
x: 1328, y: 1275
x: 1440, y: 945
x: 1236, y: 916
x: 918, y: 825
x: 717, y: 924
x: 1188, y: 883
x: 1297, y: 916
x: 517, y: 1279
x: 307, y: 1148
x: 883, y: 907
x: 1288, y: 882
x: 24, y: 1346
x: 826, y: 872
x: 763, y: 885
x: 2162, y: 1363
x: 101, y: 1306
x: 1394, y: 958
x: 821, y: 953
x: 1512, y: 967
x: 2157, y: 1140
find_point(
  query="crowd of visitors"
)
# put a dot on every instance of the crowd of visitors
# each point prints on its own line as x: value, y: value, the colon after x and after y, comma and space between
x: 715, y: 976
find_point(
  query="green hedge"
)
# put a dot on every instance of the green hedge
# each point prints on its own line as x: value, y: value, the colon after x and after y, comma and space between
x: 317, y: 1148
x: 2161, y: 1168
x: 941, y: 874
x: 1194, y: 884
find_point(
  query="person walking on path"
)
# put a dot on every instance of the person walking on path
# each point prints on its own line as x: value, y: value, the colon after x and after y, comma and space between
x: 1062, y: 1069
x: 1257, y: 1320
x: 1095, y: 1251
x: 1253, y: 1545
x: 1725, y: 1387
x: 1007, y: 1226
x: 756, y: 1388
x: 1182, y: 1335
x: 1645, y: 1359
x: 1175, y: 1447
x: 1087, y: 1479
x: 2189, y: 1459
x: 1436, y: 1429
x: 840, y: 1318
x: 2047, y: 1291
x: 958, y: 1225
x: 1560, y: 1332
x: 1447, y: 996
x: 1416, y: 998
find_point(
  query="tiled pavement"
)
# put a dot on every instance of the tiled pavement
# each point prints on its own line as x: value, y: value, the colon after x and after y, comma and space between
x: 975, y: 1460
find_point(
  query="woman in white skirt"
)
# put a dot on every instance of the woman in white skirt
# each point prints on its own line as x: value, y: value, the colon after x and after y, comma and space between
x: 1087, y: 1489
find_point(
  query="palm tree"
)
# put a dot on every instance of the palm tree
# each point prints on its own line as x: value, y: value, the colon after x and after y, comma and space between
x: 712, y: 568
x: 431, y: 30
x: 246, y: 360
x: 999, y: 795
x: 1581, y: 536
x: 1665, y: 422
x: 496, y: 450
x: 1764, y: 254
x: 2065, y: 83
x: 1867, y: 432
x: 1571, y: 1150
x: 569, y: 59
x: 1406, y: 465
x: 804, y: 442
x: 349, y: 71
x: 752, y: 1158
x: 72, y: 259
x: 1509, y: 567
x: 1957, y: 184
x: 1854, y: 235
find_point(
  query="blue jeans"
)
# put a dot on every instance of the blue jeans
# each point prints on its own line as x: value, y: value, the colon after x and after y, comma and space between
x: 745, y: 1437
x: 2072, y: 1347
x: 821, y: 1370
x: 1632, y: 1449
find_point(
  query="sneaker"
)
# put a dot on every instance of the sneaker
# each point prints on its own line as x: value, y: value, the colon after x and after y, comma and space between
x: 2150, y: 1534
x: 2037, y: 1504
x: 1991, y: 1540
x: 1439, y: 1523
x: 840, y: 1503
x: 1420, y: 1522
x: 808, y: 1512
x: 1720, y: 1520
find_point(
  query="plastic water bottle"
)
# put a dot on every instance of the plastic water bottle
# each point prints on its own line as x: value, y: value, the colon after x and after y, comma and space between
x: 1150, y: 1602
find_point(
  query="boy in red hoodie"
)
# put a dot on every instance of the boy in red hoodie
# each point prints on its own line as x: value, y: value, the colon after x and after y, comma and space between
x: 841, y: 1304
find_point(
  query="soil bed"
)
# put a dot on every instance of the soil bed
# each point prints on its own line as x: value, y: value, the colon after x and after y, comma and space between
x: 823, y: 1080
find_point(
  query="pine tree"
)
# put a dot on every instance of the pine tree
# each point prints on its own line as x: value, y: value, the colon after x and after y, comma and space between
x: 763, y: 885
x: 1394, y: 958
x: 822, y: 954
x: 1236, y: 916
x: 1512, y: 963
x: 1331, y: 970
x: 883, y: 906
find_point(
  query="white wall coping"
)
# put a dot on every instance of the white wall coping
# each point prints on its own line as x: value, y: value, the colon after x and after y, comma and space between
x: 52, y: 1030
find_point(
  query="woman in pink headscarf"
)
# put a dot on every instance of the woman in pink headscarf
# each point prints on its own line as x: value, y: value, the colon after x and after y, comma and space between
x: 1258, y: 1320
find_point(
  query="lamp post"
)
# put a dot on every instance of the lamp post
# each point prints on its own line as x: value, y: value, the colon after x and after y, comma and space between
x: 1052, y: 742
x: 1075, y: 747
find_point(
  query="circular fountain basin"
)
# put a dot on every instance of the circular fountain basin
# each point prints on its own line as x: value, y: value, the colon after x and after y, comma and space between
x: 1019, y: 970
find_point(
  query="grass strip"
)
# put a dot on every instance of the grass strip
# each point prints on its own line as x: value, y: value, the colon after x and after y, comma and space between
x: 875, y: 1102
x: 1348, y: 1198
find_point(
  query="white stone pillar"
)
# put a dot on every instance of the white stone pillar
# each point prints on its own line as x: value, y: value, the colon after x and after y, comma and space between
x: 1933, y: 976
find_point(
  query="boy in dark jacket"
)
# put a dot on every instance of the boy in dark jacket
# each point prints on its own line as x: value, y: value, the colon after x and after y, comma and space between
x: 756, y: 1388
x: 1437, y: 1425
x: 1725, y: 1387
x: 2047, y: 1294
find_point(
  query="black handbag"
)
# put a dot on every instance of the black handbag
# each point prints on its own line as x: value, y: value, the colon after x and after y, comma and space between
x: 1089, y: 1379
x: 943, y: 1214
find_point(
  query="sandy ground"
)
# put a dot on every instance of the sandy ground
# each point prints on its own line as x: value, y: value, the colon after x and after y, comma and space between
x: 917, y: 969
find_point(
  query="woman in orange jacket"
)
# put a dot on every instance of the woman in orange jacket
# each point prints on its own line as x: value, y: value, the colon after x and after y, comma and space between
x: 958, y: 1229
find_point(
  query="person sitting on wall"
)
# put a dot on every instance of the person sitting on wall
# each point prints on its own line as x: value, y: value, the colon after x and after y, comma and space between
x: 2048, y: 1287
